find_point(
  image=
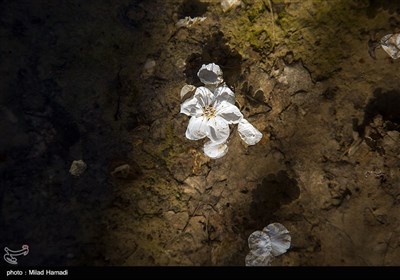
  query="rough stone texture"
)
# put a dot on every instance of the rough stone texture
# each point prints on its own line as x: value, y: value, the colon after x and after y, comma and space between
x: 73, y: 87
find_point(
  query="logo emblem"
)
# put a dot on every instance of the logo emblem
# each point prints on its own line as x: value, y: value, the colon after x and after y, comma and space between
x: 10, y: 255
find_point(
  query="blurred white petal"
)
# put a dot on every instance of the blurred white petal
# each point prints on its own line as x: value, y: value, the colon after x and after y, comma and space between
x: 229, y: 112
x: 280, y: 238
x: 248, y: 132
x: 215, y: 151
x: 210, y: 74
x: 197, y: 128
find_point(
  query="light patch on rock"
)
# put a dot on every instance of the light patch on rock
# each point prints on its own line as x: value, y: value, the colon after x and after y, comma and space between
x: 121, y: 171
x: 77, y: 168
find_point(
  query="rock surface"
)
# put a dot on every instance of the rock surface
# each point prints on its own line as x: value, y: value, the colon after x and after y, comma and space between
x: 327, y: 166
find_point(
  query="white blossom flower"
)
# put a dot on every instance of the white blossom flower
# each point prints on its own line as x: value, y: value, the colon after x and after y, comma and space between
x: 210, y: 74
x: 248, y: 132
x: 212, y: 109
x: 209, y: 118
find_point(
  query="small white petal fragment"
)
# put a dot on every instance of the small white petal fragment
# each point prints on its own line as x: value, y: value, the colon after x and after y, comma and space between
x: 248, y: 132
x: 191, y: 107
x: 258, y: 260
x: 215, y: 151
x: 187, y: 91
x: 149, y: 68
x: 121, y: 171
x: 78, y: 167
x: 229, y: 4
x: 197, y: 128
x: 218, y: 130
x: 189, y: 21
x: 280, y: 238
x: 259, y: 243
x: 229, y: 112
x: 224, y: 93
x: 391, y: 44
x: 210, y: 74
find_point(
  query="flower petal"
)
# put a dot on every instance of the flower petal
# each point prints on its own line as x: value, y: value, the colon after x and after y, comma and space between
x: 253, y: 259
x: 218, y: 130
x: 280, y: 238
x: 197, y: 128
x: 191, y: 107
x: 391, y: 45
x: 187, y: 91
x: 259, y: 243
x: 210, y: 74
x: 215, y: 151
x: 248, y: 132
x: 229, y: 112
x: 224, y: 93
x: 204, y: 96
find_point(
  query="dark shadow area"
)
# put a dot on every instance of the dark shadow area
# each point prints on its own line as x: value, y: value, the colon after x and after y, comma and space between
x: 274, y: 191
x: 46, y: 126
x: 215, y: 50
x: 387, y: 105
x: 255, y: 98
x: 132, y: 15
x: 192, y: 8
x: 387, y: 5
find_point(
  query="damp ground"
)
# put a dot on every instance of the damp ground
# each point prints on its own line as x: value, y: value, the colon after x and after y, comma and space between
x: 76, y: 83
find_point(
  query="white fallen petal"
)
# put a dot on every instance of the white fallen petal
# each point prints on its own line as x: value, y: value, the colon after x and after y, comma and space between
x: 204, y: 96
x: 229, y: 112
x: 248, y: 132
x: 218, y: 130
x: 224, y: 93
x: 187, y: 91
x: 253, y: 259
x: 149, y: 68
x: 229, y: 4
x: 77, y: 168
x: 210, y: 74
x: 197, y: 128
x: 391, y: 44
x: 215, y: 151
x: 259, y: 243
x: 191, y: 107
x: 280, y: 238
x: 189, y: 21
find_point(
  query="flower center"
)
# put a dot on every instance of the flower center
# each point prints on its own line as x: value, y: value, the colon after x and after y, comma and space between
x: 209, y: 112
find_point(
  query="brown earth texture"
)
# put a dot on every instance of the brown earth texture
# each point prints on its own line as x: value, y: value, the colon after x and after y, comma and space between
x: 100, y: 81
